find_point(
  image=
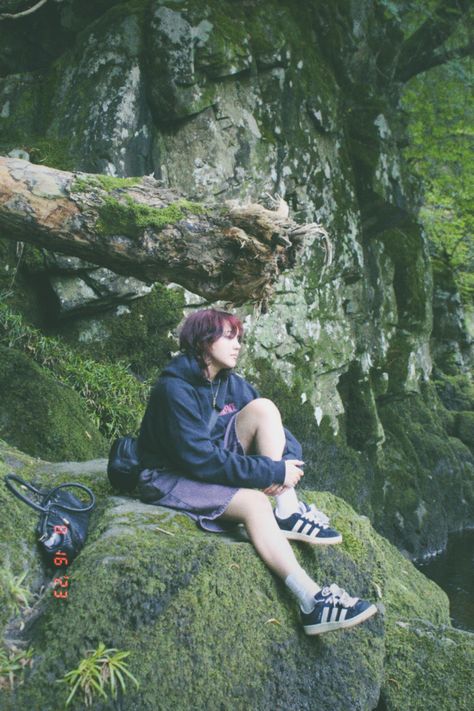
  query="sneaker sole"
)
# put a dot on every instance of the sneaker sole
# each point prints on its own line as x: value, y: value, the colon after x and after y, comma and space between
x: 330, y: 626
x: 314, y: 540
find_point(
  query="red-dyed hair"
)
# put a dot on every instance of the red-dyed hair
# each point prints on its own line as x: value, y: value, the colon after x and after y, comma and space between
x: 202, y: 328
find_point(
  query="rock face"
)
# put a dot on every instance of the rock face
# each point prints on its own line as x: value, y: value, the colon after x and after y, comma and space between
x: 230, y: 99
x: 151, y: 583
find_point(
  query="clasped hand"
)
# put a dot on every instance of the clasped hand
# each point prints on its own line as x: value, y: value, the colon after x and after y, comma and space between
x: 292, y: 476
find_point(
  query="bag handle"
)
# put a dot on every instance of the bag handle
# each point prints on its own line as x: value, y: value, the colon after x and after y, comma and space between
x: 13, y: 477
x: 71, y: 484
x: 44, y: 509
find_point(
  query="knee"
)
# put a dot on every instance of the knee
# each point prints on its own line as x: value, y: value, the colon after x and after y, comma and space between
x: 263, y: 406
x: 257, y: 504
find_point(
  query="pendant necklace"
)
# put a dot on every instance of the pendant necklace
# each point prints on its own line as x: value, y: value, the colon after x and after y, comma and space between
x: 214, y: 395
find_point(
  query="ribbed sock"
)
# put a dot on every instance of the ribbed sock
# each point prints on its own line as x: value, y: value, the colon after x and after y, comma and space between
x: 303, y: 587
x: 286, y: 503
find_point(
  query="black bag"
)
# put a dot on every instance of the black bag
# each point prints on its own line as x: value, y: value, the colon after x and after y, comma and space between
x: 64, y: 519
x: 123, y: 466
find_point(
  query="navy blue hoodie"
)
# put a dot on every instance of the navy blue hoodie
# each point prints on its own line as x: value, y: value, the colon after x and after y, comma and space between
x: 174, y: 432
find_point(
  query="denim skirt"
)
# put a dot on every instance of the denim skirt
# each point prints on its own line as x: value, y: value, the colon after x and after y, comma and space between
x: 203, y: 502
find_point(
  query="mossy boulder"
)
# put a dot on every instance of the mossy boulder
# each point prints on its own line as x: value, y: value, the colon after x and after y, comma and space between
x: 41, y: 415
x: 423, y: 470
x: 207, y: 625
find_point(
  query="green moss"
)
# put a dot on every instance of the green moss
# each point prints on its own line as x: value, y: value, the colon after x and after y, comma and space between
x: 428, y: 667
x: 108, y: 182
x: 130, y: 218
x: 200, y: 603
x: 464, y: 428
x: 42, y: 416
x: 151, y: 582
x: 456, y: 391
x: 17, y: 552
x: 114, y: 398
x: 135, y: 590
x: 53, y: 152
x: 22, y: 131
x: 423, y: 471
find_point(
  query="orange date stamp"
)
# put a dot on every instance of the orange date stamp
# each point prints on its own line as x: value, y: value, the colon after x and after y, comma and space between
x: 61, y: 583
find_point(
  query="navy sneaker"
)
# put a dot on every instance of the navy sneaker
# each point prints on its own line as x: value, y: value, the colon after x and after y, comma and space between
x: 335, y: 609
x: 309, y: 525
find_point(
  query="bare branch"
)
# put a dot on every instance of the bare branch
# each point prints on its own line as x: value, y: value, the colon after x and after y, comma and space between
x: 24, y: 13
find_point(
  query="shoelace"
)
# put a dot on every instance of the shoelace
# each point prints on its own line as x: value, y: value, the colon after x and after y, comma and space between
x: 339, y: 595
x: 315, y: 515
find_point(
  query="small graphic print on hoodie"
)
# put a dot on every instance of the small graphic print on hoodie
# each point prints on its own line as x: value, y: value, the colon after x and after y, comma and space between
x: 230, y: 407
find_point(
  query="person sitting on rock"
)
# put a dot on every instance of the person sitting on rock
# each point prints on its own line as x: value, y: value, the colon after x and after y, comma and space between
x: 210, y: 446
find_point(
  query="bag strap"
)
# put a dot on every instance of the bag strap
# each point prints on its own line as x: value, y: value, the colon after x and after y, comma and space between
x: 9, y: 478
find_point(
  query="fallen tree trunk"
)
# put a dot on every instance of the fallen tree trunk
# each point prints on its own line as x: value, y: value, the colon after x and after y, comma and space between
x: 136, y: 227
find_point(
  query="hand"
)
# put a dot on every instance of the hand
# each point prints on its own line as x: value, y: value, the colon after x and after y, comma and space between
x: 274, y: 489
x: 292, y: 472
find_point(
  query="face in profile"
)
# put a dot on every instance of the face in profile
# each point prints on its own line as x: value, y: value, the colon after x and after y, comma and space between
x: 225, y: 351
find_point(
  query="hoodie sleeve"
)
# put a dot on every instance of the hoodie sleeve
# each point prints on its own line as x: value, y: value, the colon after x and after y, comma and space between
x: 293, y: 449
x: 190, y: 449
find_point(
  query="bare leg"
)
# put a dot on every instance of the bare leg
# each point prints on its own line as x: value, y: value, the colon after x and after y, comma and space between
x: 260, y: 429
x: 253, y: 509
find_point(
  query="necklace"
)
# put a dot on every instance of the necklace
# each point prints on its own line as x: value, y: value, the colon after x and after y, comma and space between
x: 215, y: 394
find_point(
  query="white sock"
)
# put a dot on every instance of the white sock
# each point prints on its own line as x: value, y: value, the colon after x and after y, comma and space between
x: 303, y: 587
x: 286, y: 503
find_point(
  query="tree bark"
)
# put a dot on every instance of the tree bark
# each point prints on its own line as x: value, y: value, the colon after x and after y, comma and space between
x: 137, y: 227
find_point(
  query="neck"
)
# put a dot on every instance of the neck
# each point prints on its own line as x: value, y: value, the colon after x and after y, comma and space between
x: 212, y: 372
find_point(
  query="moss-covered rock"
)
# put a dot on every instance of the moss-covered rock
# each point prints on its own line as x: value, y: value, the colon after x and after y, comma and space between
x: 428, y: 666
x: 139, y: 332
x: 207, y: 625
x: 465, y: 428
x: 423, y: 472
x: 42, y: 416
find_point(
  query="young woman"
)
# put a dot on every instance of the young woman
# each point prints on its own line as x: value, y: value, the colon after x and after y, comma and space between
x: 211, y: 447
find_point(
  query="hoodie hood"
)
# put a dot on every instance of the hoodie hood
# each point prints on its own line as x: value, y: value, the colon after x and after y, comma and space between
x: 187, y: 368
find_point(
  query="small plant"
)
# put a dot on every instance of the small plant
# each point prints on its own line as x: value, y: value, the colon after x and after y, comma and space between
x: 12, y: 664
x: 101, y: 671
x: 17, y: 595
x: 113, y: 397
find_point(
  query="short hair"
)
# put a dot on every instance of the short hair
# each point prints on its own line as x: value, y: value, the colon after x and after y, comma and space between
x: 202, y: 328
